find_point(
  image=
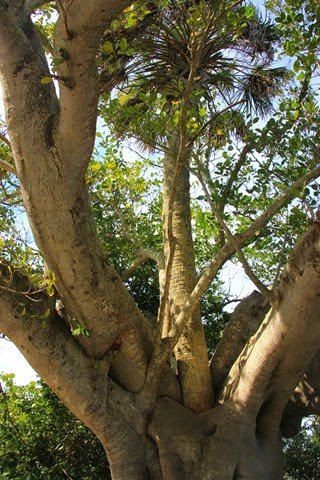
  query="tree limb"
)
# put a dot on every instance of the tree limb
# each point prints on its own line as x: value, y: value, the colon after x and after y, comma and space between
x: 35, y: 326
x: 305, y: 400
x: 51, y: 159
x: 7, y: 166
x: 78, y: 34
x: 234, y: 242
x: 244, y: 322
x: 228, y: 250
x: 5, y: 140
x: 145, y: 255
x: 274, y: 360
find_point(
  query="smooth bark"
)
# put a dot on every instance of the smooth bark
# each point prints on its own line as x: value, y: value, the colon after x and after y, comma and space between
x: 170, y: 427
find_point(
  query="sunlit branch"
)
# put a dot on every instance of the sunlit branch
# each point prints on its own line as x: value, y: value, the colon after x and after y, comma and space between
x: 234, y: 242
x: 5, y: 140
x: 3, y: 164
x: 226, y: 252
x: 8, y: 167
x: 144, y: 256
x: 244, y: 322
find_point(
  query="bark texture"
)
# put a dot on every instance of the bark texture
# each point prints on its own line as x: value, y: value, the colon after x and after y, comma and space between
x: 190, y: 351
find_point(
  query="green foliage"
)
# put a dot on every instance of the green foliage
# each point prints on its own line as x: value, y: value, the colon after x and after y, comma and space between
x: 44, y: 19
x: 126, y: 202
x: 233, y: 64
x: 302, y: 453
x: 298, y: 25
x: 41, y: 439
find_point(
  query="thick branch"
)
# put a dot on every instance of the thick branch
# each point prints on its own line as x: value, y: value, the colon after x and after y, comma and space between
x: 50, y: 165
x: 191, y: 349
x: 244, y: 322
x: 274, y: 361
x: 78, y: 32
x: 305, y: 400
x: 32, y: 323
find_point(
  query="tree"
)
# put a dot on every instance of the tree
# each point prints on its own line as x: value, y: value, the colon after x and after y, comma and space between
x: 148, y: 392
x: 40, y: 438
x: 302, y: 453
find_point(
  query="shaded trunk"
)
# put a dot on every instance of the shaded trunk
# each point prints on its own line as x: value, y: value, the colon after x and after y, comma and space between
x: 181, y: 445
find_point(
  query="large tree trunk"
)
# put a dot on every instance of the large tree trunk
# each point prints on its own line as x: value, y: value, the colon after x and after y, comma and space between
x: 153, y: 423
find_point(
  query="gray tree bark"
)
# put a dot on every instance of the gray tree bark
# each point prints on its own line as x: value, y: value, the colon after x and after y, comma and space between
x: 106, y: 380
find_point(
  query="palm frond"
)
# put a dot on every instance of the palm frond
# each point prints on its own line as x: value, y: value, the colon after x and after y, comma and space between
x: 259, y: 87
x: 260, y: 36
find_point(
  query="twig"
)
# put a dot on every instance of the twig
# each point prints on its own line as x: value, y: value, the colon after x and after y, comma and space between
x: 5, y: 140
x: 145, y: 255
x: 212, y: 119
x: 234, y: 242
x: 6, y: 166
x: 234, y: 172
x: 25, y: 294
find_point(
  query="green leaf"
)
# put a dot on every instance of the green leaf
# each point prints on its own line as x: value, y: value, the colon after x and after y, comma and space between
x: 123, y: 44
x: 76, y: 331
x: 131, y: 21
x: 46, y: 80
x: 250, y: 11
x: 50, y: 290
x: 64, y: 53
x: 57, y: 61
x: 107, y: 47
x: 296, y: 66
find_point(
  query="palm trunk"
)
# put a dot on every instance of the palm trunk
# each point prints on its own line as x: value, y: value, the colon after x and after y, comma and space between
x: 190, y: 351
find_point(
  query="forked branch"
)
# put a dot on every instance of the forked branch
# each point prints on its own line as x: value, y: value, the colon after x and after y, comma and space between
x: 269, y: 295
x: 226, y: 252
